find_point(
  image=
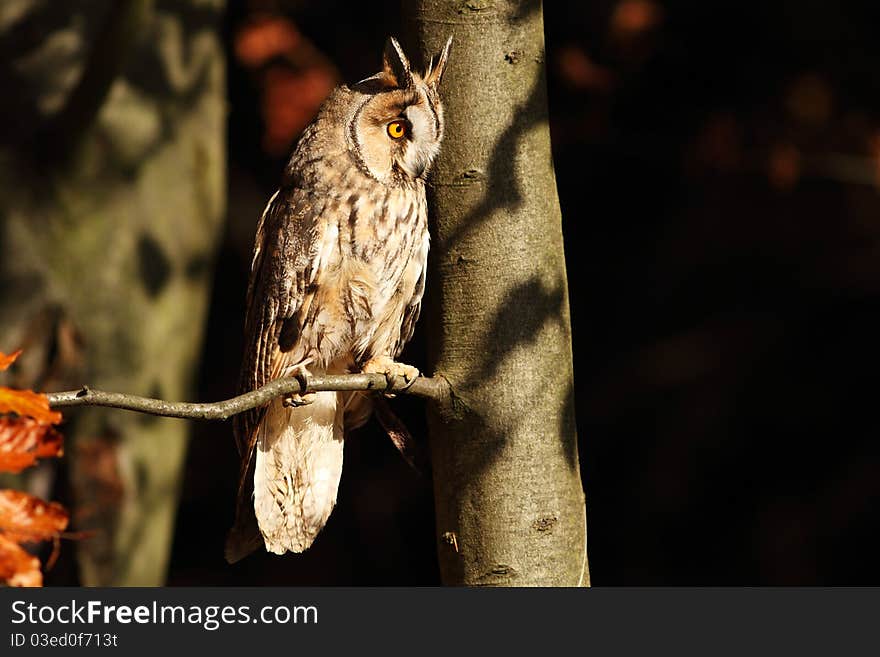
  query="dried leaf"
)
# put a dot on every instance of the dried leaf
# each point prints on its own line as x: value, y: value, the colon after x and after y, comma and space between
x: 265, y: 38
x: 23, y: 440
x: 25, y: 518
x: 581, y: 72
x: 632, y: 18
x: 784, y: 166
x: 290, y: 99
x: 810, y: 100
x: 293, y: 75
x: 28, y: 403
x: 6, y: 361
x: 18, y: 567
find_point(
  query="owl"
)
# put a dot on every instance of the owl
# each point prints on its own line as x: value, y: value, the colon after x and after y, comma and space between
x: 336, y: 284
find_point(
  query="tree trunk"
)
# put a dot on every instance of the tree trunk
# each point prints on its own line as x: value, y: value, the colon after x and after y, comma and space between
x: 509, y: 500
x: 112, y: 196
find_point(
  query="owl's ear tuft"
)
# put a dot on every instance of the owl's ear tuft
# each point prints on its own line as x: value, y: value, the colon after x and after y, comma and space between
x: 395, y: 64
x: 435, y: 72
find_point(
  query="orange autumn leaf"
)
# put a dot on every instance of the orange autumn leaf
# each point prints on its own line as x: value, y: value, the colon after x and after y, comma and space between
x: 28, y: 403
x: 25, y: 436
x: 25, y: 518
x: 23, y: 440
x: 18, y: 567
x: 265, y: 38
x: 25, y: 403
x: 633, y: 17
x: 6, y: 361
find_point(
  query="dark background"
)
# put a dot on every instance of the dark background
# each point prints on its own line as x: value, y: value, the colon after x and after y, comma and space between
x: 718, y: 167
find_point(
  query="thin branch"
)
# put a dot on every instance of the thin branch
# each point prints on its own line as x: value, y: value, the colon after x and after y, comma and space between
x: 435, y: 388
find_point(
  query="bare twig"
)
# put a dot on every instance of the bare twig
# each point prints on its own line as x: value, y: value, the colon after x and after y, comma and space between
x: 436, y: 388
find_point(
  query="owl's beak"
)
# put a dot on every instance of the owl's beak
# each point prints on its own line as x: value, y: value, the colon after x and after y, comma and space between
x: 415, y: 161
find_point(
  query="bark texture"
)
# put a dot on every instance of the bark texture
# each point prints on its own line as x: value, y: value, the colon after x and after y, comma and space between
x: 112, y: 160
x: 509, y: 500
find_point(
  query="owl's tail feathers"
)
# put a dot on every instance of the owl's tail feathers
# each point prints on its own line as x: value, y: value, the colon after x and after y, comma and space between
x: 297, y: 470
x: 287, y: 492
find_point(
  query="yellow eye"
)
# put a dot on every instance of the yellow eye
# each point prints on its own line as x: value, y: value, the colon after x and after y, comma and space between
x: 396, y: 129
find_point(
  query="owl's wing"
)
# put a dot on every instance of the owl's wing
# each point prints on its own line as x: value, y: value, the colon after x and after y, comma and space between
x: 411, y: 313
x: 284, y: 275
x: 408, y: 326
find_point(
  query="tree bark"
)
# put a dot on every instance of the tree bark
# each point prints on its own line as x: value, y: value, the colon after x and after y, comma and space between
x: 509, y: 499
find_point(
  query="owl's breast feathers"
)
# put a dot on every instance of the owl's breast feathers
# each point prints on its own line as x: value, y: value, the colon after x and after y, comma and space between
x: 336, y: 278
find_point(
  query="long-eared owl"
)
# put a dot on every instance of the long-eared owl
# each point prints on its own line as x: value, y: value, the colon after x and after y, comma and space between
x: 336, y: 285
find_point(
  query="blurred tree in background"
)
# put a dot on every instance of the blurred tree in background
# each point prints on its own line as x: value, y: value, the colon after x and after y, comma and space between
x: 112, y: 187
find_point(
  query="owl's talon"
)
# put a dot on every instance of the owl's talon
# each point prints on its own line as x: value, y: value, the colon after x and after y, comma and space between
x: 391, y: 369
x: 302, y: 375
x: 296, y: 399
x: 301, y: 398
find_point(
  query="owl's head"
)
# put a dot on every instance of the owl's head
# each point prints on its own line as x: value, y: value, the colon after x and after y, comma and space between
x: 396, y: 123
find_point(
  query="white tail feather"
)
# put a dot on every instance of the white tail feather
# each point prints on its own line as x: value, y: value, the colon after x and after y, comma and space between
x: 297, y: 471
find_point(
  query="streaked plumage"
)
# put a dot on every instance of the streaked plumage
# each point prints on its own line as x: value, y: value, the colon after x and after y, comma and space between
x: 336, y: 285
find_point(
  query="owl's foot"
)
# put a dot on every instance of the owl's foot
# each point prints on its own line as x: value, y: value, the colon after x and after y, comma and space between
x: 296, y: 399
x: 391, y: 369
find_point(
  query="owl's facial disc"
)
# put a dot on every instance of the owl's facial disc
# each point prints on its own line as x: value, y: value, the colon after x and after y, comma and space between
x: 395, y: 134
